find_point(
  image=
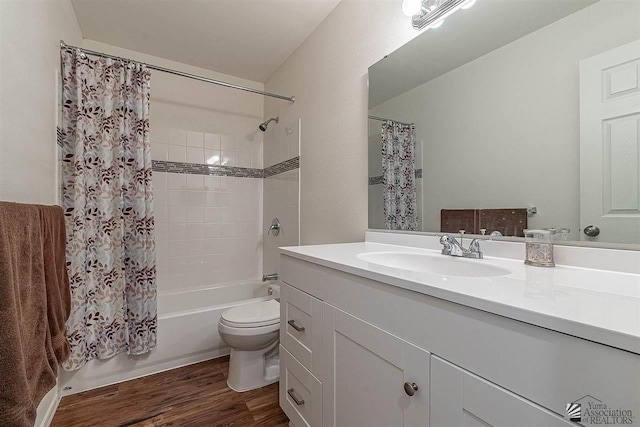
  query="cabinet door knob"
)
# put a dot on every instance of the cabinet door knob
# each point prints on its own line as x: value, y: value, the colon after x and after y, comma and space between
x: 410, y: 388
x: 291, y: 394
x: 296, y: 327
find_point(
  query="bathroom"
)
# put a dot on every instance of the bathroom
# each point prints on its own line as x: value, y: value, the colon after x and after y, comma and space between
x: 269, y: 146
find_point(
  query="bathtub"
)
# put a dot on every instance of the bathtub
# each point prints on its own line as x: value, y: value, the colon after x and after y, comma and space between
x: 187, y: 333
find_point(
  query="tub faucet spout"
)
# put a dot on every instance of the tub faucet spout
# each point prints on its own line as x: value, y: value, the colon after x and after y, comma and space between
x: 269, y: 277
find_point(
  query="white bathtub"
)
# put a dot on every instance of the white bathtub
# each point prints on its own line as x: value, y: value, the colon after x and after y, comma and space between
x: 187, y: 333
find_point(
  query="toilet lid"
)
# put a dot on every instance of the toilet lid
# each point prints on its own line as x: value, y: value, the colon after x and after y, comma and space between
x: 255, y: 313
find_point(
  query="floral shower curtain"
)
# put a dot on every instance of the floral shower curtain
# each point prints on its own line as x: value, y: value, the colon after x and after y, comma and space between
x: 107, y: 198
x: 398, y: 174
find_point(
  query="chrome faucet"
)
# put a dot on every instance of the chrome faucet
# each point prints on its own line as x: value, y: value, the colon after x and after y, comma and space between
x: 270, y: 277
x: 453, y: 248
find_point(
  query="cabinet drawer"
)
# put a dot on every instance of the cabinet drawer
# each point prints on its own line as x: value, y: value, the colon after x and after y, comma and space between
x: 301, y: 328
x: 300, y: 392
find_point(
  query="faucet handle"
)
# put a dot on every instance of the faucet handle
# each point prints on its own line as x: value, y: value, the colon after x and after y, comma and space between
x: 446, y: 241
x: 474, y: 248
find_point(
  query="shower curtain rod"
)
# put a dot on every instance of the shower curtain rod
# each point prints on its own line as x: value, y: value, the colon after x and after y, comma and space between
x: 63, y: 45
x: 382, y: 119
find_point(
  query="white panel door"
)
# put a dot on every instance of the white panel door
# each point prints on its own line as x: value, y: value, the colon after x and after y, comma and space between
x: 610, y: 144
x: 461, y: 399
x: 365, y: 370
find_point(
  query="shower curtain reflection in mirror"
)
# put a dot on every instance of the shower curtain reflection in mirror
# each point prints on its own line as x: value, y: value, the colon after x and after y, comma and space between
x: 399, y: 176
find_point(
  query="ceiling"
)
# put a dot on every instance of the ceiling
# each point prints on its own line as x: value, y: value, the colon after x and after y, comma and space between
x: 244, y: 38
x: 464, y: 36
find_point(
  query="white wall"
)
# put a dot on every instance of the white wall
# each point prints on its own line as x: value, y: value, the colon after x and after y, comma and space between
x: 503, y: 131
x: 30, y: 33
x: 328, y: 76
x: 208, y: 228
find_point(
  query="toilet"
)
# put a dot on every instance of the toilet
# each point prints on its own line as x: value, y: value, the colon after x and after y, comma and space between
x: 252, y: 332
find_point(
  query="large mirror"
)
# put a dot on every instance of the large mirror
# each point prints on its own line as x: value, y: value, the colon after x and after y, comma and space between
x: 513, y: 114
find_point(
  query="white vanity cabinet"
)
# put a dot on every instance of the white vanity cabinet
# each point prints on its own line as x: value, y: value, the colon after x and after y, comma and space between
x: 367, y: 339
x: 372, y: 378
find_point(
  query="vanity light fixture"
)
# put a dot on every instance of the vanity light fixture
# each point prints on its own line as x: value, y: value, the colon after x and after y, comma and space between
x: 431, y: 13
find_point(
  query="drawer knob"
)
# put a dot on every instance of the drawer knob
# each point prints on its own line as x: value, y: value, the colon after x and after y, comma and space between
x: 410, y: 388
x: 291, y: 394
x: 296, y: 327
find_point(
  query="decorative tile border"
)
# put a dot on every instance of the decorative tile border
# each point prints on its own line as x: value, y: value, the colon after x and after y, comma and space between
x: 201, y: 169
x: 374, y: 180
x: 282, y: 167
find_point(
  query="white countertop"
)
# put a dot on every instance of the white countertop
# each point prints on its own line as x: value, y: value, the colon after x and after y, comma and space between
x: 597, y: 305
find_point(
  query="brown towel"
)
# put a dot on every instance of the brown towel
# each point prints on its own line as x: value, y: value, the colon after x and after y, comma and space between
x: 34, y: 306
x: 508, y: 221
x: 454, y: 220
x: 56, y: 279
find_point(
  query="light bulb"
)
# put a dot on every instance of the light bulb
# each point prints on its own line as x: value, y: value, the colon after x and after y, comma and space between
x: 411, y: 7
x: 468, y: 4
x: 437, y: 24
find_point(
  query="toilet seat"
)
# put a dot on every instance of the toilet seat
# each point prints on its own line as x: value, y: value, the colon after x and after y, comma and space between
x: 252, y: 315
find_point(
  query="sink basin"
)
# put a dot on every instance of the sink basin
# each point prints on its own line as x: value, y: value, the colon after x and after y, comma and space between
x: 436, y: 264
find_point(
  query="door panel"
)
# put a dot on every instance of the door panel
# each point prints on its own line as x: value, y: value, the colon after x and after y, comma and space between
x: 364, y: 380
x: 610, y: 144
x: 366, y: 369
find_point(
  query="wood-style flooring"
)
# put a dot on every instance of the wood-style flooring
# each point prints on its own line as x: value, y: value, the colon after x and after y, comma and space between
x: 195, y: 395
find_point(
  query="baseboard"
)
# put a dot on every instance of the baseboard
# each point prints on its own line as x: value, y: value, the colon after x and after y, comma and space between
x: 47, y: 407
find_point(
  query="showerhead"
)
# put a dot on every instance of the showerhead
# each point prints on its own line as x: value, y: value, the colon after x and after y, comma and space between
x: 263, y: 125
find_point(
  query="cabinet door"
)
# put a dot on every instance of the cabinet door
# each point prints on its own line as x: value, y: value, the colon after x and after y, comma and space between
x: 365, y: 370
x: 459, y: 398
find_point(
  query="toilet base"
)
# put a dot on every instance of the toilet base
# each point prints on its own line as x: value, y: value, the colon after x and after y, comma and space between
x: 248, y: 370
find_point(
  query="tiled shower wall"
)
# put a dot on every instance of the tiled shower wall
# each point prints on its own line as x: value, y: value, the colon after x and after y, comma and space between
x: 208, y: 227
x: 209, y: 176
